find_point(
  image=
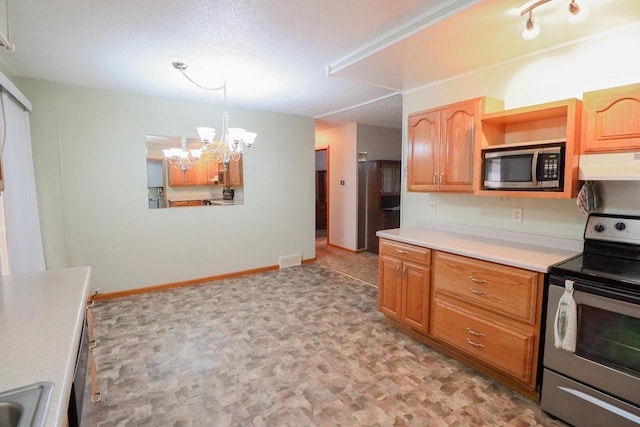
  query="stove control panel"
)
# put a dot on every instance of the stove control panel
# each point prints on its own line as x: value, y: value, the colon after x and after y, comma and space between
x: 613, y: 228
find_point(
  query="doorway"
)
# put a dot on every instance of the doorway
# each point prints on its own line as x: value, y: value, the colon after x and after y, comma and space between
x: 322, y: 192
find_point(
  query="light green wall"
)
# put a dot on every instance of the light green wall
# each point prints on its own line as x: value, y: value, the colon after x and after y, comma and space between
x: 563, y: 73
x: 90, y: 163
x: 343, y: 199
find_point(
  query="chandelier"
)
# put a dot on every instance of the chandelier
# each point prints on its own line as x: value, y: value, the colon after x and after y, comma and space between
x: 233, y: 142
x: 182, y: 158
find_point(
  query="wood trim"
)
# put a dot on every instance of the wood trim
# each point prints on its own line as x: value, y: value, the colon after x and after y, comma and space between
x: 333, y: 245
x: 137, y: 291
x: 461, y: 357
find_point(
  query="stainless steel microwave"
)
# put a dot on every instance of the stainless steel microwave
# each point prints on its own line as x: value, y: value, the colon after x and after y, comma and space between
x: 529, y: 168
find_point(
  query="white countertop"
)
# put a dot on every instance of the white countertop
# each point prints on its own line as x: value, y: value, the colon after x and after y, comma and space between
x: 41, y: 316
x: 531, y: 252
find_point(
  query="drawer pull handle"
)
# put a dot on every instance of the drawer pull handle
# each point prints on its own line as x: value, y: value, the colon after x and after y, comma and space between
x: 435, y: 174
x: 476, y: 291
x: 91, y: 304
x: 475, y: 279
x: 475, y: 344
x: 472, y: 332
x: 441, y: 179
x: 397, y: 269
x: 400, y: 251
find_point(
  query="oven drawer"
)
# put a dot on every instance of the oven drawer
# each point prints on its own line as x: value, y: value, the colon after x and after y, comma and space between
x: 505, y: 290
x: 506, y: 350
x: 406, y: 251
x: 584, y: 406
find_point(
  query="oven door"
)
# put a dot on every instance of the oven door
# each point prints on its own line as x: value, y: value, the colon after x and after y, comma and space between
x: 607, y: 356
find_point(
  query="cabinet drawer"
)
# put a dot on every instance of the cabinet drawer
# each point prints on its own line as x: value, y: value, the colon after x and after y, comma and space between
x: 508, y: 291
x: 405, y: 251
x: 505, y: 350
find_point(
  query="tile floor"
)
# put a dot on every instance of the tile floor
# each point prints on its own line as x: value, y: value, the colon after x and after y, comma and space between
x: 304, y: 346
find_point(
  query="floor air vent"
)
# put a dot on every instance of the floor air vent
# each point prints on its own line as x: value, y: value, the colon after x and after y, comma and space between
x: 290, y: 261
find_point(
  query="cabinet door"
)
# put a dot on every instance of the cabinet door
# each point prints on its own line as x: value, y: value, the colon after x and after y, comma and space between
x: 415, y: 296
x: 612, y: 119
x: 424, y: 148
x: 390, y: 287
x: 176, y: 177
x: 458, y: 146
x: 235, y: 172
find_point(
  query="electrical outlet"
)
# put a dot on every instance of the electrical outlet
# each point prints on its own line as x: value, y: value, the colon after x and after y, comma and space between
x: 431, y: 206
x: 516, y: 214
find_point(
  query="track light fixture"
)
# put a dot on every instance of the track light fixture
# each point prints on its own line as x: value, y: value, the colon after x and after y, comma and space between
x: 531, y: 29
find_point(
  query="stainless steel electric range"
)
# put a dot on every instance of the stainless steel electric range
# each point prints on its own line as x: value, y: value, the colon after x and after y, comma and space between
x: 598, y: 384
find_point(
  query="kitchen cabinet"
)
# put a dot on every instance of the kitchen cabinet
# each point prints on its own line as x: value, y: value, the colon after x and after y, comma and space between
x: 95, y: 394
x: 204, y: 172
x: 442, y: 144
x: 489, y: 312
x: 235, y: 173
x: 536, y: 124
x: 405, y: 283
x: 611, y: 120
x: 484, y: 314
x: 184, y: 203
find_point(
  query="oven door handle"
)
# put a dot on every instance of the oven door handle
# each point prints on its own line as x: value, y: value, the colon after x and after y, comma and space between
x: 534, y: 168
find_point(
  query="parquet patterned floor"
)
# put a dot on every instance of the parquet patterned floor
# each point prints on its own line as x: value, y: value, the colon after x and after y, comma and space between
x: 304, y: 346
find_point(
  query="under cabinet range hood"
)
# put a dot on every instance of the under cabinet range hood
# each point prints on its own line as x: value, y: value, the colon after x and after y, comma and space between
x: 610, y: 167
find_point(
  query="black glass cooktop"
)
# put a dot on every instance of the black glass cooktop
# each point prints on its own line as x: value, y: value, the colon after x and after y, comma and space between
x: 617, y: 272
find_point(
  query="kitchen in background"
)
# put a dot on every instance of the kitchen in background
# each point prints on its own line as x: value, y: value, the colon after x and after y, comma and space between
x: 155, y: 183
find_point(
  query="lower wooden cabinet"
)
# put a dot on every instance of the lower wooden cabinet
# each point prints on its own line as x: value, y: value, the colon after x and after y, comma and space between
x: 506, y: 349
x: 404, y: 283
x: 484, y: 314
x: 184, y: 203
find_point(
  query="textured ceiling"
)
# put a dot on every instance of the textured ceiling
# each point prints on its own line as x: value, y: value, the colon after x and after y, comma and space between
x: 275, y: 54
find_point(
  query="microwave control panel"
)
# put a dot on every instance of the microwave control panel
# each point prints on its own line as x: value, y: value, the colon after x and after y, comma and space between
x: 548, y: 166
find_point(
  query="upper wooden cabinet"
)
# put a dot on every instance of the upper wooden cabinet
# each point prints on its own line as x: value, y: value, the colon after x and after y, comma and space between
x: 202, y: 173
x: 559, y: 120
x: 611, y: 120
x: 442, y: 145
x: 235, y: 173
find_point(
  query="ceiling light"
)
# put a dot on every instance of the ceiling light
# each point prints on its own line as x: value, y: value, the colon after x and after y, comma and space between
x: 577, y: 13
x: 531, y: 29
x: 233, y: 142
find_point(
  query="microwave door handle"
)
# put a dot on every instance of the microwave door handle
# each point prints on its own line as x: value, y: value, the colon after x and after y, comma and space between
x: 534, y: 168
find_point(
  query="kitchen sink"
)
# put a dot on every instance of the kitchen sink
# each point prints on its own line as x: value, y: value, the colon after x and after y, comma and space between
x: 25, y: 406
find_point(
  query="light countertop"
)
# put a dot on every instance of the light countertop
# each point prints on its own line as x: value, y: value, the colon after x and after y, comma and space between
x: 41, y: 316
x: 531, y: 252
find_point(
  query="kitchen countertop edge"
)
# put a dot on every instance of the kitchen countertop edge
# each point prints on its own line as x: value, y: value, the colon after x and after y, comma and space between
x: 504, y: 248
x: 50, y: 309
